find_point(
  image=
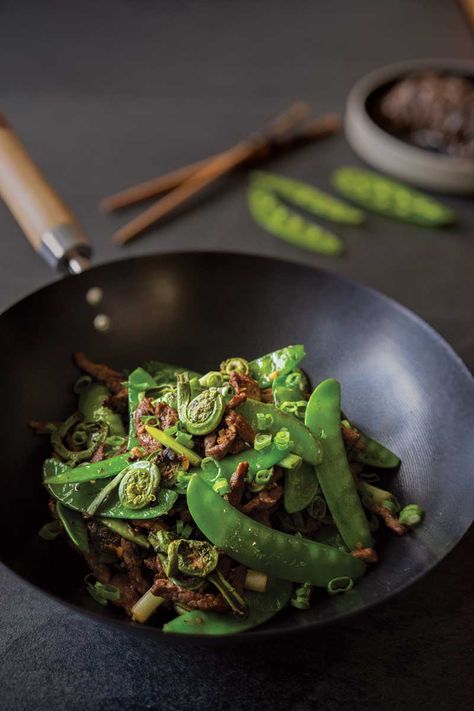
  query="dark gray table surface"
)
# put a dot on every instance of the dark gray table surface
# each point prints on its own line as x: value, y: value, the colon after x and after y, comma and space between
x: 109, y: 93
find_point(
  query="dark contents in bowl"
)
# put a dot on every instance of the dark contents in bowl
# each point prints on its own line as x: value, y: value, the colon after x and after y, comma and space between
x: 431, y: 111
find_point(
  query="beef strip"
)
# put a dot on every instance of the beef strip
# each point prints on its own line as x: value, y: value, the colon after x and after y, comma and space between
x: 237, y: 578
x: 189, y: 598
x: 118, y: 402
x: 230, y: 439
x: 244, y: 383
x: 368, y: 555
x: 99, y: 569
x: 235, y: 401
x: 103, y: 539
x: 237, y: 484
x: 111, y: 378
x: 99, y: 453
x: 245, y: 432
x: 169, y: 463
x: 166, y: 416
x: 265, y: 499
x: 133, y: 563
x: 389, y: 519
x: 267, y: 395
x: 351, y: 437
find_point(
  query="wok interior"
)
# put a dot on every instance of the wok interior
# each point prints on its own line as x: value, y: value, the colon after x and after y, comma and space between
x: 399, y: 382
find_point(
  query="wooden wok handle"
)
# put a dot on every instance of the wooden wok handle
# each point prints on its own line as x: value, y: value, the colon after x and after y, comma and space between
x: 46, y: 221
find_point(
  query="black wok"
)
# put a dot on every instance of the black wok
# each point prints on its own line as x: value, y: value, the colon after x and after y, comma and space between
x: 400, y: 380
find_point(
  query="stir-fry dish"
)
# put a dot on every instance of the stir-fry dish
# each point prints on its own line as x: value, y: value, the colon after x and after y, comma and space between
x: 206, y: 504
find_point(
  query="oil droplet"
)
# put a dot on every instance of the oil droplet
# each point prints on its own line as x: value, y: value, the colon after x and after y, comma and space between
x: 94, y: 296
x: 102, y: 322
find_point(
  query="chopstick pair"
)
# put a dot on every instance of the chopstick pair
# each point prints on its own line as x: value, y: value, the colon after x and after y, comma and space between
x: 291, y: 127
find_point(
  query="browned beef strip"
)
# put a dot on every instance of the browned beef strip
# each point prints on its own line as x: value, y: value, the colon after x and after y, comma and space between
x: 103, y: 539
x: 245, y: 432
x: 235, y: 401
x: 99, y: 569
x: 265, y: 499
x: 99, y: 453
x: 267, y: 395
x: 153, y: 525
x: 219, y: 444
x: 111, y: 378
x: 244, y: 383
x: 237, y: 484
x: 389, y: 519
x: 118, y: 402
x: 166, y: 415
x: 351, y: 437
x: 191, y: 599
x: 133, y: 564
x: 145, y: 407
x: 368, y: 555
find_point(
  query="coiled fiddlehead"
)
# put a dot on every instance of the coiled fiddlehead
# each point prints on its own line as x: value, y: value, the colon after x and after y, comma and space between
x: 139, y: 484
x: 203, y: 413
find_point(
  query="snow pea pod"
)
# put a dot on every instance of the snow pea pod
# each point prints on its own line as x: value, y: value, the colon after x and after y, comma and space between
x: 390, y: 198
x: 299, y: 488
x: 309, y: 198
x: 261, y: 548
x: 90, y: 472
x: 290, y: 388
x: 305, y: 444
x: 74, y: 526
x: 78, y: 496
x: 374, y: 454
x: 281, y: 361
x: 266, y: 458
x: 273, y: 215
x: 261, y: 607
x: 337, y: 483
x: 91, y: 405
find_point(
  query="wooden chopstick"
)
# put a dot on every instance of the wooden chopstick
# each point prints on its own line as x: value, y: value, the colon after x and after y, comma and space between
x: 257, y: 145
x: 156, y: 186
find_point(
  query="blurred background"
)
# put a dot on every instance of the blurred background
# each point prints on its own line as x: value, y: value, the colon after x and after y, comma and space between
x: 108, y: 94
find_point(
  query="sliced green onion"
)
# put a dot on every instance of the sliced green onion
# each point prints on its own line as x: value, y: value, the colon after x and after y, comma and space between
x: 182, y: 481
x: 297, y: 408
x: 221, y: 486
x: 291, y: 461
x: 239, y: 364
x: 183, y: 530
x: 256, y: 581
x: 282, y: 439
x: 101, y: 592
x: 263, y: 476
x: 346, y: 424
x: 144, y: 608
x: 213, y: 379
x: 171, y: 443
x: 172, y: 430
x: 209, y: 465
x: 340, y: 585
x: 261, y: 441
x: 115, y: 441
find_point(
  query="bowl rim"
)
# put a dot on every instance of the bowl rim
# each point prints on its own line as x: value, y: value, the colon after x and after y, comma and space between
x: 258, y: 633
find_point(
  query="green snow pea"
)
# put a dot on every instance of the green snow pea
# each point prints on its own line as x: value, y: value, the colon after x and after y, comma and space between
x: 261, y: 606
x: 308, y: 198
x: 90, y: 472
x: 323, y: 417
x: 74, y: 526
x: 213, y: 469
x: 78, y: 496
x: 374, y: 454
x: 281, y: 361
x: 304, y: 442
x: 261, y: 548
x: 91, y: 405
x: 300, y: 487
x: 390, y: 198
x: 330, y: 536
